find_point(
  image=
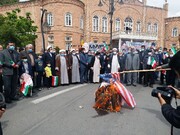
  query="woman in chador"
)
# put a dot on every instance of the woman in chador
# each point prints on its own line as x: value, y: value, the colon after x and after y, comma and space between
x: 62, y: 68
x: 96, y: 67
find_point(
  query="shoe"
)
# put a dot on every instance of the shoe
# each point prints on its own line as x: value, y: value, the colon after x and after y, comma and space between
x: 134, y: 85
x: 128, y: 84
x: 151, y: 85
x: 8, y: 101
x: 39, y: 89
x: 16, y: 98
x: 145, y: 85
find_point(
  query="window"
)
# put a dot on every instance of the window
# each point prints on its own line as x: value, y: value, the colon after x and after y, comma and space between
x: 138, y: 27
x: 50, y: 19
x: 81, y: 23
x: 175, y: 32
x: 128, y: 25
x: 104, y: 24
x: 68, y: 46
x: 95, y: 24
x: 155, y: 28
x: 117, y: 25
x: 68, y: 38
x: 68, y: 19
x: 149, y: 27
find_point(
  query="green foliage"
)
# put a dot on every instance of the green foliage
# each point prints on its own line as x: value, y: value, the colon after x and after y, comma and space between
x: 17, y: 28
x: 7, y: 2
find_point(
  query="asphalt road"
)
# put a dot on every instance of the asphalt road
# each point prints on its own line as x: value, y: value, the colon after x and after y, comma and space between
x: 67, y: 110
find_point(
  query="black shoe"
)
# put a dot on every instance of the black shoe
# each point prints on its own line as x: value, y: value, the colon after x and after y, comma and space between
x: 134, y: 85
x: 16, y: 98
x: 128, y: 84
x: 8, y: 101
x: 145, y: 85
x: 151, y: 85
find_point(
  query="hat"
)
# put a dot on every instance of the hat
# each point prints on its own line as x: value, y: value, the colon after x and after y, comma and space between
x: 72, y: 50
x: 114, y: 49
x: 97, y: 53
x: 62, y: 50
x: 48, y: 47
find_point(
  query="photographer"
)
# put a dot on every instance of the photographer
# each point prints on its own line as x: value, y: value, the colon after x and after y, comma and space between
x: 2, y: 110
x: 171, y: 114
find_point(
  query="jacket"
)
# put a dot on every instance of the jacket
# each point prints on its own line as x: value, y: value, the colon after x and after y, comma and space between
x: 6, y: 59
x: 171, y: 114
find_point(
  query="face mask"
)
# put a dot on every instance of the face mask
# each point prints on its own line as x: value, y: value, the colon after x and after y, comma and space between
x: 171, y: 55
x: 11, y: 48
x: 24, y: 60
x: 142, y: 49
x: 62, y: 54
x: 30, y: 50
x: 40, y: 57
x: 98, y: 56
x: 48, y: 65
x: 51, y: 51
x: 114, y: 53
x: 150, y: 53
x: 74, y: 53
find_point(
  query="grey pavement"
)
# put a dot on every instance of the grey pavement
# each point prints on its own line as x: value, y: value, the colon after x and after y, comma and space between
x: 71, y: 113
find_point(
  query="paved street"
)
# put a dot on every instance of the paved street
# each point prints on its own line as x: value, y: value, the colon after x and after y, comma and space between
x: 67, y: 110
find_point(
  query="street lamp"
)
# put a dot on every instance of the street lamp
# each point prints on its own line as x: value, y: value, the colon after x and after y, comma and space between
x: 43, y: 11
x: 111, y: 12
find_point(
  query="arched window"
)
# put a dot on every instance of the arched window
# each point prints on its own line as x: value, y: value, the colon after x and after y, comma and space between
x: 149, y: 27
x: 156, y: 28
x: 95, y: 24
x: 138, y: 27
x: 50, y: 19
x: 68, y: 19
x: 104, y: 24
x: 128, y: 25
x: 175, y: 32
x: 81, y: 22
x: 117, y: 25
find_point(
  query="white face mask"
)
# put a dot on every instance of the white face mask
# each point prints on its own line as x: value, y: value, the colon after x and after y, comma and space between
x: 114, y: 53
x: 74, y: 53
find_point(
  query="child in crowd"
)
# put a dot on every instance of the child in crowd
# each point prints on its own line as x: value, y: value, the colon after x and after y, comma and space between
x: 39, y: 69
x: 48, y: 75
x: 25, y: 67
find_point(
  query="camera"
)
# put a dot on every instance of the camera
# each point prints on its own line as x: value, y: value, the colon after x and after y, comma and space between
x: 166, y: 93
x: 2, y: 101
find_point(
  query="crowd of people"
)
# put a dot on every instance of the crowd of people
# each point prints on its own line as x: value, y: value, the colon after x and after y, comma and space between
x: 79, y: 66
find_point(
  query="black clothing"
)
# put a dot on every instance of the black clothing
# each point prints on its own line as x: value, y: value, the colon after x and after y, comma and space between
x: 50, y: 57
x: 172, y: 115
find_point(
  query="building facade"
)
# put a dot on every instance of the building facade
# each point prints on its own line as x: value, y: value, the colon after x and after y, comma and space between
x: 74, y: 22
x: 172, y: 29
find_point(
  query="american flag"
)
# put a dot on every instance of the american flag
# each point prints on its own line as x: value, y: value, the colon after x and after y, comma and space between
x: 123, y: 92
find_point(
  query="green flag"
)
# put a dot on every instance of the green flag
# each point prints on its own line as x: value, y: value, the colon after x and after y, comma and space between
x: 173, y: 50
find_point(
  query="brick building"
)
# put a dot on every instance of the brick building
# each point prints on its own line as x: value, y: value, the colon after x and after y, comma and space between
x: 172, y: 28
x: 73, y: 22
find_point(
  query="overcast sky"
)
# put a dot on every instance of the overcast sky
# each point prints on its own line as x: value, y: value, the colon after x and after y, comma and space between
x: 174, y: 6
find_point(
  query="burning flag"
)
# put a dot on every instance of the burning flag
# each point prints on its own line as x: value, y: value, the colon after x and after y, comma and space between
x: 122, y: 91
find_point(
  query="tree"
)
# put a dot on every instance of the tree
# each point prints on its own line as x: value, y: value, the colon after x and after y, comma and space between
x: 17, y: 28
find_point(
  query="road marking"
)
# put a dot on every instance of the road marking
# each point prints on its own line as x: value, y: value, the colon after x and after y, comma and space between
x: 56, y: 94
